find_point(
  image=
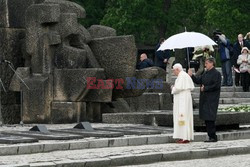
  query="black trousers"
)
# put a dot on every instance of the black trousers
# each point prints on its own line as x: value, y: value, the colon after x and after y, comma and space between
x: 237, y: 79
x: 211, y: 129
x: 245, y: 81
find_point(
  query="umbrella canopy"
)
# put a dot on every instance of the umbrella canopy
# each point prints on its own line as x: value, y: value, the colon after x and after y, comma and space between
x: 185, y: 40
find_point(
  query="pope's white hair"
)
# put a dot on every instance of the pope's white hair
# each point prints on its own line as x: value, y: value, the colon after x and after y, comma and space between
x: 178, y: 66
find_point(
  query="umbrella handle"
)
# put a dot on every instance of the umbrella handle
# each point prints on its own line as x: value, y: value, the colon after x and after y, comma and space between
x: 188, y: 62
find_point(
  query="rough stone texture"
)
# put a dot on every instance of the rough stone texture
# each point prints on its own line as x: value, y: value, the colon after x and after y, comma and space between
x: 54, y: 147
x: 70, y: 57
x: 157, y: 139
x: 176, y: 155
x: 123, y: 50
x: 148, y: 158
x: 238, y: 150
x: 78, y: 145
x: 199, y: 153
x: 43, y: 164
x: 36, y: 41
x: 166, y: 88
x: 9, y: 150
x: 85, y: 35
x: 118, y: 142
x: 98, y: 162
x: 29, y: 149
x: 145, y: 74
x: 69, y: 7
x: 92, y: 62
x: 37, y: 100
x: 137, y: 141
x: 22, y: 72
x: 122, y: 160
x: 60, y: 54
x: 99, y: 143
x: 118, y: 105
x: 12, y: 12
x: 70, y: 84
x: 99, y: 95
x: 165, y: 118
x: 150, y: 101
x: 10, y: 48
x: 3, y: 14
x: 93, y: 112
x: 217, y: 151
x: 67, y: 112
x: 100, y: 31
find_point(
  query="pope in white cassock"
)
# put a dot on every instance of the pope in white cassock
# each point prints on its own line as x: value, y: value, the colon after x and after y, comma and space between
x: 183, y: 106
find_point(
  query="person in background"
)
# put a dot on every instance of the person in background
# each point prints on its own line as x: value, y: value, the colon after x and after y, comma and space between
x: 237, y: 51
x: 244, y: 61
x: 247, y: 38
x: 201, y: 53
x: 210, y: 86
x: 183, y: 106
x: 225, y: 58
x: 162, y: 56
x: 144, y: 62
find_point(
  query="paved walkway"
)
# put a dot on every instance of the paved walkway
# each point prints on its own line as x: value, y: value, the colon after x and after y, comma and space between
x: 228, y: 161
x: 128, y: 151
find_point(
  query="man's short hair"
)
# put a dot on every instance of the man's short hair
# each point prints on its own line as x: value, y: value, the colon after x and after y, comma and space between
x: 211, y: 60
x: 241, y: 35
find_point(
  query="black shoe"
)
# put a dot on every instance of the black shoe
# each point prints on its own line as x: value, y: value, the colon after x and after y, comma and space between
x: 210, y: 140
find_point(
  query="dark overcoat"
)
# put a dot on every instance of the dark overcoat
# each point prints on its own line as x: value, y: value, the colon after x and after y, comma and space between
x: 209, y: 98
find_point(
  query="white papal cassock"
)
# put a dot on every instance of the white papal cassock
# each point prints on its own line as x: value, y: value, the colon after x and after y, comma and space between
x: 183, y: 107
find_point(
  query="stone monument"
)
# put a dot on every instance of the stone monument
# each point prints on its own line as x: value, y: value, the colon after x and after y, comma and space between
x: 55, y: 55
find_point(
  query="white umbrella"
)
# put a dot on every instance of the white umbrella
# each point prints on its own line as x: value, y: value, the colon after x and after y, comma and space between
x: 185, y: 40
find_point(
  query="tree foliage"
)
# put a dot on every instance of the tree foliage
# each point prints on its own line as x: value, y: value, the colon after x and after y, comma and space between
x: 142, y: 18
x: 148, y: 20
x: 231, y: 17
x: 95, y: 11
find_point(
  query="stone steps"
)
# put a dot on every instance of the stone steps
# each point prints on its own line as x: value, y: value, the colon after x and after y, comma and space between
x: 146, y: 149
x: 165, y: 118
x: 229, y: 100
x: 88, y: 143
x: 228, y: 95
x: 151, y: 155
x: 149, y: 101
x: 223, y: 89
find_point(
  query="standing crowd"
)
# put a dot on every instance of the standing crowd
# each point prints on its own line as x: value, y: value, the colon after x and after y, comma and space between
x: 238, y: 57
x: 235, y: 58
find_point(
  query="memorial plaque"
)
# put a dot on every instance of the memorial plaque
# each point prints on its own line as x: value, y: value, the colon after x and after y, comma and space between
x: 84, y: 125
x: 44, y: 136
x: 130, y: 130
x: 94, y: 133
x: 10, y: 139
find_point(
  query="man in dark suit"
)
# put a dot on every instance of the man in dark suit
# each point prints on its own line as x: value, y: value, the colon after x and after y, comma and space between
x: 210, y: 82
x: 237, y: 51
x: 144, y: 62
x: 162, y: 56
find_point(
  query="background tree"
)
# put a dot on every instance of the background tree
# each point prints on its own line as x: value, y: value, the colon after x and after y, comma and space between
x: 231, y: 17
x: 145, y: 19
x: 149, y: 20
x: 95, y: 10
